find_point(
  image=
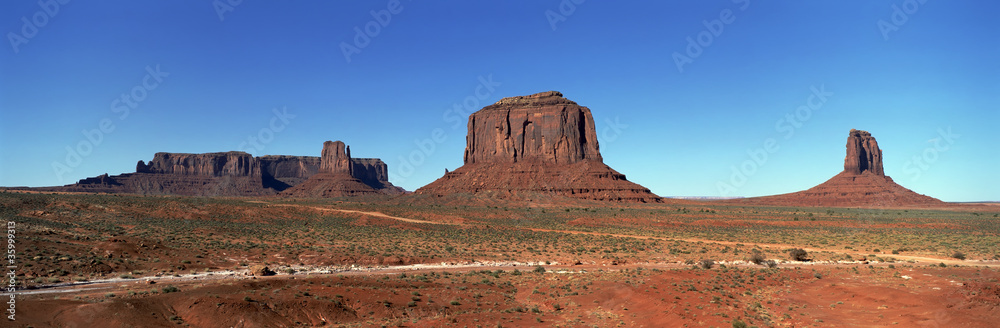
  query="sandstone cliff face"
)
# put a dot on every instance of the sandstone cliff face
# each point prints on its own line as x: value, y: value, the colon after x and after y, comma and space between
x: 336, y: 158
x: 533, y: 146
x: 234, y: 163
x: 543, y: 127
x: 240, y: 174
x: 281, y: 172
x: 372, y: 171
x: 863, y: 154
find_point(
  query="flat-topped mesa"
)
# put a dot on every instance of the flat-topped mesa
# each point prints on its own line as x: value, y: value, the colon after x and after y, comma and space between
x: 863, y: 154
x: 539, y: 145
x: 372, y: 171
x: 543, y: 127
x: 234, y: 163
x: 335, y: 158
x: 240, y: 174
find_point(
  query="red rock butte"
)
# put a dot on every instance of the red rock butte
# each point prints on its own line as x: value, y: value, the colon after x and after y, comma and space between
x: 342, y: 176
x: 236, y: 173
x: 863, y: 183
x: 541, y: 143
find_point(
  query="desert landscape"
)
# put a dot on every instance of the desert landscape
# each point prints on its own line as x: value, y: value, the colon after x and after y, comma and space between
x: 534, y: 230
x: 481, y: 164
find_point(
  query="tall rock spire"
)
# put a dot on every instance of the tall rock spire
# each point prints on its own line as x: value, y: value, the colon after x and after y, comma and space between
x: 335, y: 158
x: 863, y: 154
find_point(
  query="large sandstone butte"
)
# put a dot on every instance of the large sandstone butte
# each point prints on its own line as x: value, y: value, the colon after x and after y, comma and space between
x: 341, y: 176
x: 541, y: 143
x: 862, y: 183
x: 240, y: 174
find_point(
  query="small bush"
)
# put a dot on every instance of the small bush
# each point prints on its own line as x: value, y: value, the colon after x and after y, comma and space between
x: 456, y: 303
x: 757, y: 258
x: 739, y: 324
x: 798, y: 254
x: 771, y: 264
x: 170, y: 289
x: 539, y: 269
x: 707, y: 264
x: 959, y: 255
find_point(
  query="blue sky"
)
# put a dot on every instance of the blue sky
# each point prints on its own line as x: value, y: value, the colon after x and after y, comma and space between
x: 221, y: 72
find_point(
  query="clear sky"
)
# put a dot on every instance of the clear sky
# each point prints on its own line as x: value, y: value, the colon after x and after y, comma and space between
x: 674, y: 114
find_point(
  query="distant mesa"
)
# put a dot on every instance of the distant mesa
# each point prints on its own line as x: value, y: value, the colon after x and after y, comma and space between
x: 342, y: 176
x: 862, y: 183
x: 540, y: 143
x: 240, y: 174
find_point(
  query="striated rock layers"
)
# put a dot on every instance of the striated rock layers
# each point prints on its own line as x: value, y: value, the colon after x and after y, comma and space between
x: 862, y: 183
x: 541, y: 143
x: 236, y: 174
x: 341, y: 176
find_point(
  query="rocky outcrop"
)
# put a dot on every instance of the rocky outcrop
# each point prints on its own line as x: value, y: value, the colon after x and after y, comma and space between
x: 336, y: 158
x: 342, y: 176
x: 240, y: 174
x: 862, y: 183
x: 234, y: 163
x: 532, y: 146
x: 863, y: 154
x: 543, y: 127
x: 372, y: 171
x: 280, y: 172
